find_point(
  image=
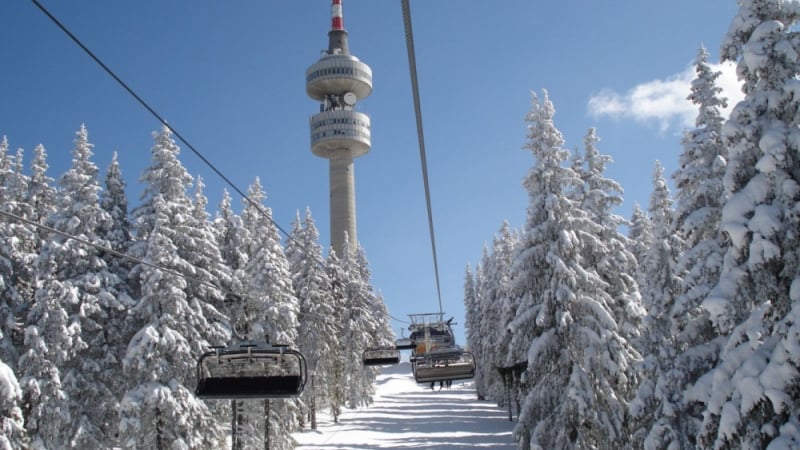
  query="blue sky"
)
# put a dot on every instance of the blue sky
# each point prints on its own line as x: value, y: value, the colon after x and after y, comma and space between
x: 229, y: 76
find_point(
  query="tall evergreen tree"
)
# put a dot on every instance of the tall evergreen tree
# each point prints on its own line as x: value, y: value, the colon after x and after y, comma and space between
x: 13, y: 258
x: 358, y: 326
x: 170, y: 323
x: 609, y: 254
x: 640, y: 238
x: 579, y: 366
x: 12, y: 430
x: 318, y: 334
x: 233, y: 247
x: 338, y: 376
x: 114, y: 202
x: 500, y: 306
x: 472, y: 320
x: 660, y: 288
x: 21, y: 243
x: 379, y: 325
x: 482, y: 366
x: 94, y: 300
x: 40, y: 194
x: 269, y: 288
x: 75, y: 295
x: 754, y: 396
x: 699, y: 199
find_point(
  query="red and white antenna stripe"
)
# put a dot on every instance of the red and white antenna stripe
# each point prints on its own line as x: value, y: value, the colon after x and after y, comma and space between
x: 337, y: 20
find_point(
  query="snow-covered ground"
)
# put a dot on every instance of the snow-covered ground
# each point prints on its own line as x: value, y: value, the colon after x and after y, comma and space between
x: 407, y: 415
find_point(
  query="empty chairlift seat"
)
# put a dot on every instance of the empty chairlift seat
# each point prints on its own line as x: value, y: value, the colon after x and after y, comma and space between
x: 455, y: 364
x: 381, y: 356
x: 251, y: 371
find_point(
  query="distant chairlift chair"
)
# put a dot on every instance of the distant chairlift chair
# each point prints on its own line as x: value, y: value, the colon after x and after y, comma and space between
x: 444, y: 364
x: 435, y: 355
x: 380, y: 356
x: 251, y: 371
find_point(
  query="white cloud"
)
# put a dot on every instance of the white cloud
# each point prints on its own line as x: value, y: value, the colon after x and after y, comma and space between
x: 663, y: 102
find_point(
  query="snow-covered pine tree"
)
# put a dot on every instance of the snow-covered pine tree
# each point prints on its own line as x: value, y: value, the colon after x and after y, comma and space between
x: 482, y: 366
x: 114, y: 202
x: 203, y: 253
x: 338, y: 378
x: 754, y: 396
x: 659, y: 290
x: 318, y: 334
x: 268, y: 288
x: 12, y: 430
x: 13, y: 285
x: 610, y: 253
x: 499, y: 308
x: 50, y: 342
x: 358, y: 327
x: 381, y: 330
x: 19, y: 184
x: 699, y: 197
x: 579, y: 366
x: 170, y: 327
x: 640, y: 237
x: 93, y: 298
x: 21, y: 243
x: 40, y: 195
x: 233, y: 247
x: 232, y: 239
x: 472, y: 320
x: 76, y: 295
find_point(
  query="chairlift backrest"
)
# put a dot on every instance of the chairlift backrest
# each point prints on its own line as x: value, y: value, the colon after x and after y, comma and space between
x: 443, y: 367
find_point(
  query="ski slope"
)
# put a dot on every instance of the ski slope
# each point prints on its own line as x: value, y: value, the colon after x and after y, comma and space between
x: 406, y: 415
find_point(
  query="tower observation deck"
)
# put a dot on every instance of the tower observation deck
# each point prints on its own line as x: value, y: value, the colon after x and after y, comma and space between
x: 339, y: 133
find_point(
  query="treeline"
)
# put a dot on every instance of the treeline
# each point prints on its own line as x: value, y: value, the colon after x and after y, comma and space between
x: 99, y: 350
x: 685, y: 331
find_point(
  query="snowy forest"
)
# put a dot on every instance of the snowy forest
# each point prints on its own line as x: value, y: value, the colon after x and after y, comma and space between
x: 683, y: 331
x: 676, y: 328
x: 104, y: 312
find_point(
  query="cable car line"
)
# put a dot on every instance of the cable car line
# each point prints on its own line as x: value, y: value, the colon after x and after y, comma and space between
x: 177, y: 134
x: 412, y: 67
x: 434, y: 353
x: 143, y: 262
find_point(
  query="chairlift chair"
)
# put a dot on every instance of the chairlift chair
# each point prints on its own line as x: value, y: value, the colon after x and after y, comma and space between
x: 251, y: 371
x: 451, y: 365
x: 381, y: 356
x: 428, y: 332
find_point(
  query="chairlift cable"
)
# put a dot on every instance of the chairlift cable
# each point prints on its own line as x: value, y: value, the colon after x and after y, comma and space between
x: 412, y: 67
x: 177, y: 134
x: 139, y: 260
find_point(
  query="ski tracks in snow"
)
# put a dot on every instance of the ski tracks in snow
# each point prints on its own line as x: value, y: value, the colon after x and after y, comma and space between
x: 407, y: 415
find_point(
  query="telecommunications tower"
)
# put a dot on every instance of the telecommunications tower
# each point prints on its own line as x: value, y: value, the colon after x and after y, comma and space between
x: 339, y: 133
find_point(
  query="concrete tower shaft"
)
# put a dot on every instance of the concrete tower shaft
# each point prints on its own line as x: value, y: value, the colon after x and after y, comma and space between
x: 339, y: 133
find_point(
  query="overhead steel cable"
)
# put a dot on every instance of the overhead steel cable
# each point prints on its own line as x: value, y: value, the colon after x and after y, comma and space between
x: 134, y: 259
x: 412, y: 67
x: 174, y: 131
